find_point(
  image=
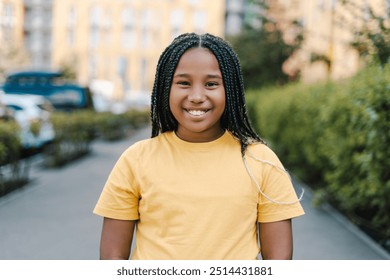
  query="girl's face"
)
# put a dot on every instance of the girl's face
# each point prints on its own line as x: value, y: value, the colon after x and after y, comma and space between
x: 197, y: 96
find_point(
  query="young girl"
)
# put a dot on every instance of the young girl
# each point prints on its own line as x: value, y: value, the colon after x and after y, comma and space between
x: 205, y: 186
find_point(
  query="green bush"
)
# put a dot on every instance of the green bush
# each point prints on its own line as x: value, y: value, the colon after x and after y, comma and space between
x: 74, y: 133
x: 358, y: 177
x: 335, y: 136
x: 136, y: 118
x: 280, y: 120
x: 110, y: 126
x: 117, y: 126
x: 13, y: 172
x: 10, y: 145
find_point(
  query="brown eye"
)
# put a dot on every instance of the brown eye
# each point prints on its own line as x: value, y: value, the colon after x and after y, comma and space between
x: 211, y: 84
x: 183, y: 83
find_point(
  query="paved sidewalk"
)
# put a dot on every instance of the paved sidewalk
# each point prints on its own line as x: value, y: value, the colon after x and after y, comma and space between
x: 51, y: 218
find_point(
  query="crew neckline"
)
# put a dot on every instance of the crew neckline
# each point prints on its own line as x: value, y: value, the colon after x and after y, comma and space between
x: 201, y: 146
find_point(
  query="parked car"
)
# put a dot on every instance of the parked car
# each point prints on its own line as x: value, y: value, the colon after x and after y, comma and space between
x: 63, y: 94
x: 32, y: 113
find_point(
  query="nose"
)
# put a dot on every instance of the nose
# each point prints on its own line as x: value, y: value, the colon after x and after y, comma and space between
x: 197, y: 95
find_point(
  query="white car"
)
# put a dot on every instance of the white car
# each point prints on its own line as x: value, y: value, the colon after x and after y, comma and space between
x: 32, y: 112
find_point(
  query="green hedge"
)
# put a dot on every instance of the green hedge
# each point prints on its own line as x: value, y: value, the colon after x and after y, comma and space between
x: 75, y: 132
x: 335, y: 137
x: 112, y: 127
x: 9, y: 142
x: 13, y: 172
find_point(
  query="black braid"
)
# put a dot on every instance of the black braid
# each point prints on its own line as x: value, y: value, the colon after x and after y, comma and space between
x: 235, y: 118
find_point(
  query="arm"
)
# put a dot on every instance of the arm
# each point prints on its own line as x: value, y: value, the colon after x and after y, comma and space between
x: 276, y: 240
x: 116, y: 239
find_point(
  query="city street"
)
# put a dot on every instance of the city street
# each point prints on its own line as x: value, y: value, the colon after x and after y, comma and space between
x: 51, y: 218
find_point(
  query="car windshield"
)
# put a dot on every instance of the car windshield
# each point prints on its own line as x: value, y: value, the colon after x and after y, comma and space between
x: 35, y: 80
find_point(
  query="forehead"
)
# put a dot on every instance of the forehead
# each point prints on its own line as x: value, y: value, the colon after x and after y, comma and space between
x: 198, y: 59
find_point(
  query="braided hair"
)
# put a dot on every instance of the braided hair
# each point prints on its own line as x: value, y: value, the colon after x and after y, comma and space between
x: 234, y: 118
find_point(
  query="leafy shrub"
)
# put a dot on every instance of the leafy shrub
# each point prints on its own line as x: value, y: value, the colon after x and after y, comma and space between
x: 136, y: 118
x: 74, y: 133
x: 9, y: 142
x: 110, y: 126
x: 358, y: 177
x: 117, y: 126
x: 335, y: 136
x: 13, y: 172
x: 281, y: 121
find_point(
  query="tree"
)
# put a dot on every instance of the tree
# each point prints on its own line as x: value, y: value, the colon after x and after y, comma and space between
x: 262, y: 48
x: 371, y: 30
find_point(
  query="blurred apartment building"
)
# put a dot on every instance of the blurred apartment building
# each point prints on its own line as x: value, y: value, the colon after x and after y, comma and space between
x: 329, y: 30
x: 11, y: 34
x: 115, y: 42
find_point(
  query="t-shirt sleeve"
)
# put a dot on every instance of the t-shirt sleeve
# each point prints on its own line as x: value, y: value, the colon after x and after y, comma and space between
x: 120, y: 196
x: 278, y: 200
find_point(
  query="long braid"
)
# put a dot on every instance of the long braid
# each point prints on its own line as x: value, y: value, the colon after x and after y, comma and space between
x: 235, y: 119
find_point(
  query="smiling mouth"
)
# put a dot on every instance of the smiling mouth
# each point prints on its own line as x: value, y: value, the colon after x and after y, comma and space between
x: 197, y: 113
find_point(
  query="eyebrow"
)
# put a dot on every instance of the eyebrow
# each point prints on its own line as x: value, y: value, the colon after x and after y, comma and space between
x: 185, y: 75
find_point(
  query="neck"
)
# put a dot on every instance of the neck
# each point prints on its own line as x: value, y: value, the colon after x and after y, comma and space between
x: 199, y: 137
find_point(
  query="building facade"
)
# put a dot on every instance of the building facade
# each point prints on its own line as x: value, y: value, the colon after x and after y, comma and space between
x: 11, y: 35
x: 116, y: 44
x: 329, y: 28
x: 110, y: 42
x: 38, y: 32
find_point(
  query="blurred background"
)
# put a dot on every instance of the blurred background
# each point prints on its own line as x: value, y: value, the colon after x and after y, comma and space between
x: 317, y: 76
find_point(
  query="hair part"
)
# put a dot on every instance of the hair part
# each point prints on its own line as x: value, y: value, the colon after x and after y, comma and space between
x: 235, y: 118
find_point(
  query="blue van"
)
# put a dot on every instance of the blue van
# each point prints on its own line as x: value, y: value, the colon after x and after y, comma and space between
x: 64, y: 95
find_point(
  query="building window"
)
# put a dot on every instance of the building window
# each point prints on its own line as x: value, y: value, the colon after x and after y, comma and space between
x: 200, y: 21
x: 122, y: 72
x: 128, y: 28
x: 72, y: 18
x: 193, y: 2
x: 387, y: 8
x: 92, y: 69
x: 94, y: 22
x: 144, y: 74
x: 107, y: 26
x: 7, y: 18
x: 321, y: 5
x: 177, y: 17
x: 7, y: 21
x: 146, y: 24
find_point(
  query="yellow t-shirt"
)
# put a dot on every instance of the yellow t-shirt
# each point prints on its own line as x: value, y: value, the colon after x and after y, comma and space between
x: 196, y: 200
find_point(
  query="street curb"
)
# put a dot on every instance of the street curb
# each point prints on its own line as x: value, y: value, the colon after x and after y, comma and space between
x: 339, y: 217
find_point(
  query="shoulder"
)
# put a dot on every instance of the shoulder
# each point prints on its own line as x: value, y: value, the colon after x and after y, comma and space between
x: 262, y: 152
x: 142, y: 145
x: 146, y: 147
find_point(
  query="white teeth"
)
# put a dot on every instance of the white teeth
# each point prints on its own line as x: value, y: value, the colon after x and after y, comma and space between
x: 196, y: 112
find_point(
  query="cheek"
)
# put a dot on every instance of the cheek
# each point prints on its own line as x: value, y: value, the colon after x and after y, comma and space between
x: 173, y: 103
x: 222, y: 100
